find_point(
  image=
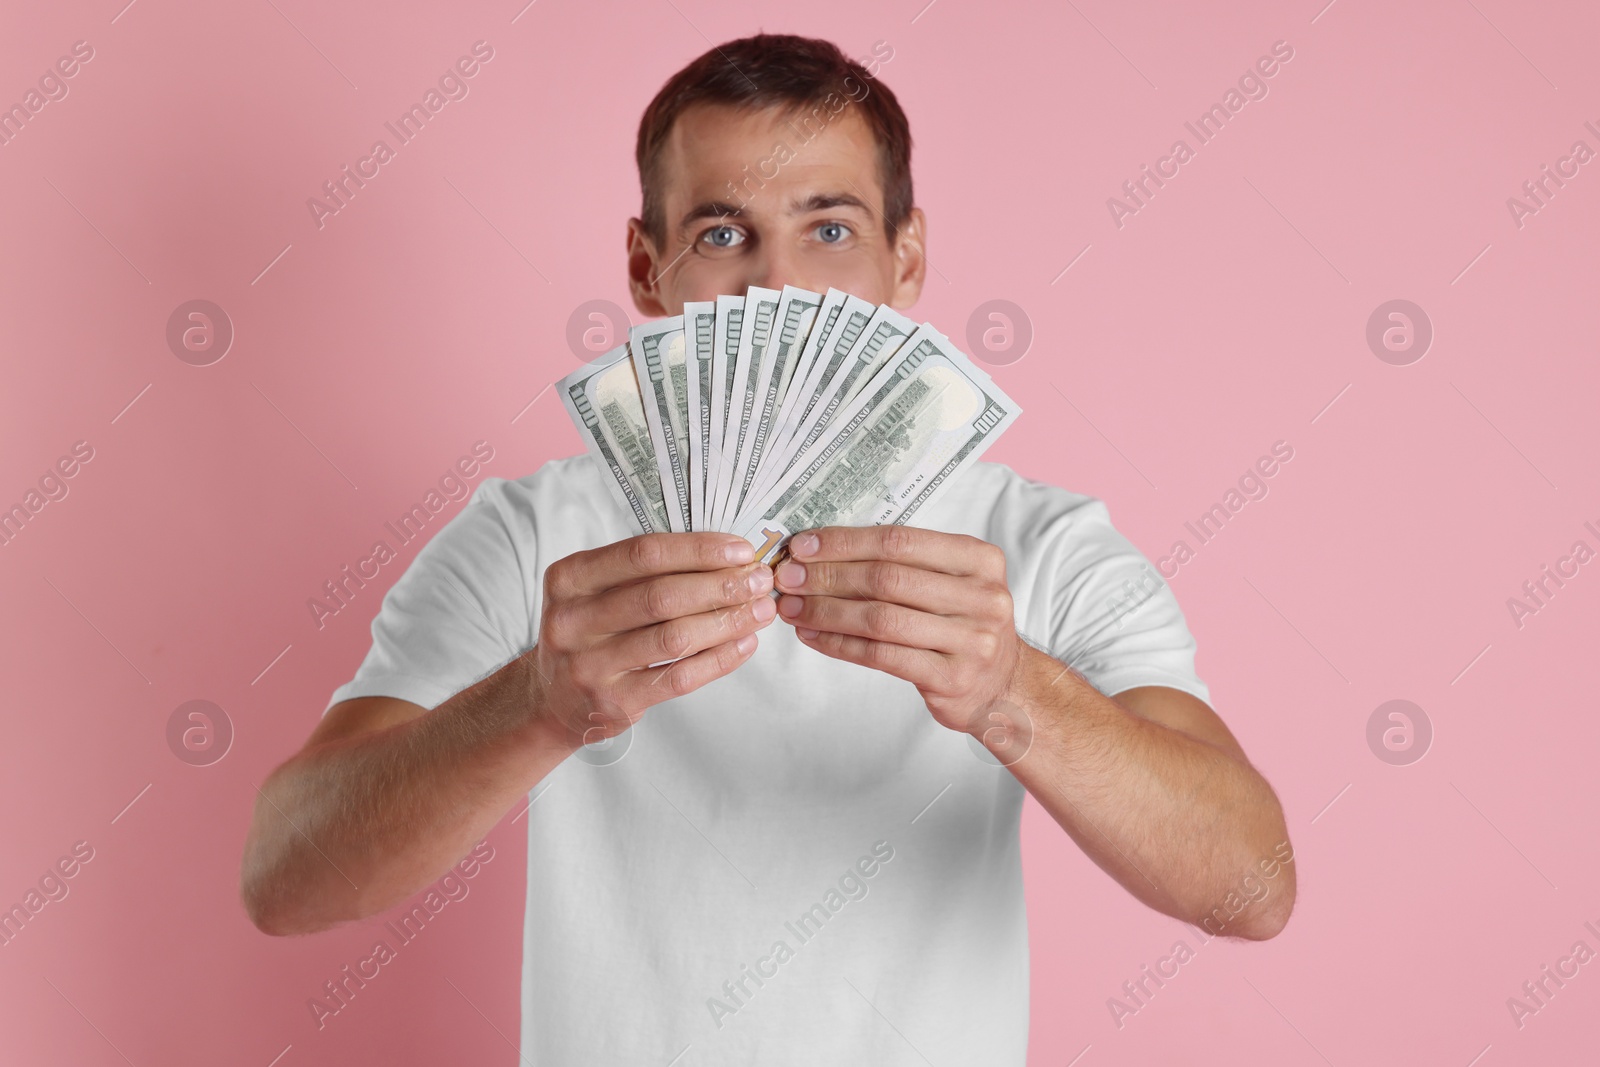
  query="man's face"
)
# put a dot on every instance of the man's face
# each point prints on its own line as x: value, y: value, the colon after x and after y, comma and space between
x: 817, y: 222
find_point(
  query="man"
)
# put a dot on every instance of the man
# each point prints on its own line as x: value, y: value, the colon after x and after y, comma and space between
x: 798, y: 847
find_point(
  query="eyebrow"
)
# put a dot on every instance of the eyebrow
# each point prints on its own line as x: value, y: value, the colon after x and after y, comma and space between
x: 719, y: 209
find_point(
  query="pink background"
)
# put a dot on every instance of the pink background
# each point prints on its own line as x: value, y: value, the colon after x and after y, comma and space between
x: 1226, y: 315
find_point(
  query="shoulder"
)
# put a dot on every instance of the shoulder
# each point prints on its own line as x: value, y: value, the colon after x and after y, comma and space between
x: 561, y: 507
x: 562, y: 488
x: 1084, y: 591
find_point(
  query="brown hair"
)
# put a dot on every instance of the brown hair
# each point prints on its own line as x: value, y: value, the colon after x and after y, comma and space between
x: 776, y: 70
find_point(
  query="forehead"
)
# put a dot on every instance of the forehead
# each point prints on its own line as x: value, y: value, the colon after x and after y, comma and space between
x: 712, y: 147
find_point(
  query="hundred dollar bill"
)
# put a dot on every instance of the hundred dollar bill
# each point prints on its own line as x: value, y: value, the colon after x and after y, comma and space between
x: 658, y: 363
x: 791, y: 323
x: 878, y: 341
x: 822, y: 321
x: 724, y: 360
x: 839, y: 322
x: 925, y: 418
x: 603, y: 399
x: 699, y: 323
x: 755, y: 332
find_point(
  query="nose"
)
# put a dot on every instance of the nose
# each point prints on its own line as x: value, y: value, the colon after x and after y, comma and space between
x: 776, y: 268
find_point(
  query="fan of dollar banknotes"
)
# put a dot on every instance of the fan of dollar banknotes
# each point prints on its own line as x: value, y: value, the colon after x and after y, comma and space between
x: 775, y: 412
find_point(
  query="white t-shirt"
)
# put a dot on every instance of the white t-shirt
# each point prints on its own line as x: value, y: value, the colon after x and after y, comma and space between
x: 794, y: 864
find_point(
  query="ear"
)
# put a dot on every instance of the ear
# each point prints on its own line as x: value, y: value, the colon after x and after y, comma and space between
x: 643, y: 283
x: 910, y: 260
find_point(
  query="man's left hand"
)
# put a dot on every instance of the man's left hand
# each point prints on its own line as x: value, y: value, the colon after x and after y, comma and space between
x: 932, y: 608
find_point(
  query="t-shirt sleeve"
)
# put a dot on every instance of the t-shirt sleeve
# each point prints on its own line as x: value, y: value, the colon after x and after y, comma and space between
x: 458, y: 613
x: 1111, y: 617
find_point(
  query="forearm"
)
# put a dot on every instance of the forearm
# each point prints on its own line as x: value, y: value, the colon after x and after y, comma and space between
x: 357, y: 824
x: 1179, y: 822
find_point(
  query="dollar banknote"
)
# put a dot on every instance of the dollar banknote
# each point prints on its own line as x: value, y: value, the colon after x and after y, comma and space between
x: 771, y: 375
x: 657, y: 349
x: 755, y: 332
x: 774, y: 411
x: 699, y: 326
x: 879, y: 339
x: 724, y: 362
x: 604, y: 402
x: 926, y: 415
x: 839, y: 322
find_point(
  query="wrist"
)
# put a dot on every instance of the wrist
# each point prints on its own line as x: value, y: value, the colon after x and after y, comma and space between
x: 1031, y: 671
x: 540, y: 727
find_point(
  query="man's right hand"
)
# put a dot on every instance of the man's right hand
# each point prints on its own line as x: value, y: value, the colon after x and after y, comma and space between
x: 690, y: 602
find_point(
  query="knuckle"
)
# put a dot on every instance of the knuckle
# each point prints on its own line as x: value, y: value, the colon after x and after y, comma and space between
x: 558, y: 580
x: 710, y: 550
x: 645, y: 552
x: 897, y: 542
x: 889, y: 580
x: 658, y: 601
x: 679, y: 679
x: 880, y: 619
x: 559, y: 625
x: 673, y: 638
x: 1000, y: 605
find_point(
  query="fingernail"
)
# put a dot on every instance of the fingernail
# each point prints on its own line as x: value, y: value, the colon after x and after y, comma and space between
x: 790, y: 606
x: 805, y: 633
x: 740, y: 551
x: 791, y: 574
x: 763, y: 609
x: 805, y: 544
x: 746, y: 643
x: 760, y: 580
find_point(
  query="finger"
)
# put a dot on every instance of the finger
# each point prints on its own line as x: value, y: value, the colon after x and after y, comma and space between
x: 597, y: 569
x: 929, y: 549
x: 667, y: 596
x: 655, y: 684
x: 916, y: 665
x: 896, y: 583
x: 876, y: 620
x: 680, y: 638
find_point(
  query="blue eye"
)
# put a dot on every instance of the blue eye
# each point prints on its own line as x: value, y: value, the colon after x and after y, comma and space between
x: 723, y: 237
x: 833, y: 232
